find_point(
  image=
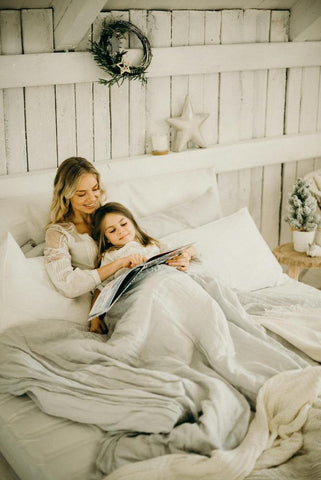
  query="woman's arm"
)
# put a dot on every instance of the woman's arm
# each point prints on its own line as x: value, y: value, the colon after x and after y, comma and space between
x: 73, y: 282
x: 69, y: 281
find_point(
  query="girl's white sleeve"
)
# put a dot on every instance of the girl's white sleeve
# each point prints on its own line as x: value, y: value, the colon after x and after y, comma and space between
x: 71, y: 282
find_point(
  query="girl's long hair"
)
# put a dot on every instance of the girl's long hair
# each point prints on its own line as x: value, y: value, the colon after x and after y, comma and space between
x: 98, y: 232
x: 65, y: 186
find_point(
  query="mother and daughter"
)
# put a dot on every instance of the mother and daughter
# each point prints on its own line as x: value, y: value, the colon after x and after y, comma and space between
x: 88, y: 243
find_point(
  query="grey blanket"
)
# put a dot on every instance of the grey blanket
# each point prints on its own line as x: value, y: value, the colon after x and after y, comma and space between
x: 179, y: 371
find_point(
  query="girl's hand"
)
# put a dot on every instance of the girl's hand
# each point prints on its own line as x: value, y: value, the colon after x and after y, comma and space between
x: 97, y: 325
x: 181, y: 262
x: 133, y: 260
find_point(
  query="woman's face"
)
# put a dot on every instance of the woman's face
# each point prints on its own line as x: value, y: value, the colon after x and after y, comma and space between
x: 87, y: 195
x: 118, y: 229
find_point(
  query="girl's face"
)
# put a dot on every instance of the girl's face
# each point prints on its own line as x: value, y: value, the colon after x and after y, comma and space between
x: 86, y: 198
x: 118, y: 229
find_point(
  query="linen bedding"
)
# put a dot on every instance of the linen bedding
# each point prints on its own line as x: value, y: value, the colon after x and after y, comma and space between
x: 174, y: 385
x: 188, y: 383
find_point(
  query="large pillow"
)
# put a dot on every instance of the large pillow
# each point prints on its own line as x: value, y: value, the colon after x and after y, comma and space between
x: 234, y: 251
x: 25, y: 217
x: 26, y: 292
x: 197, y: 211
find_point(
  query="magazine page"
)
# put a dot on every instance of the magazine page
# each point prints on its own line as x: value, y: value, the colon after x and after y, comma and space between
x: 114, y: 289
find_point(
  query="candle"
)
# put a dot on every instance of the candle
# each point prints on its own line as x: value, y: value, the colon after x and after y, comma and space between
x: 159, y: 144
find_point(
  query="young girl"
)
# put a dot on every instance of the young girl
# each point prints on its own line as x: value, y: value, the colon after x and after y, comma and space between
x: 123, y: 244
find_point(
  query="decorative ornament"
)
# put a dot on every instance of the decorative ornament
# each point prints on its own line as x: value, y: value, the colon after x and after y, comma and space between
x: 109, y: 56
x: 188, y: 127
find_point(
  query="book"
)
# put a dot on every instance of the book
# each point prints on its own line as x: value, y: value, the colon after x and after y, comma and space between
x: 114, y: 289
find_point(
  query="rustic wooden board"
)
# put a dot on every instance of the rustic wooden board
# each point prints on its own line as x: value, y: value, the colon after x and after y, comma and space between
x: 84, y: 120
x: 292, y: 120
x: 274, y: 126
x: 66, y: 122
x: 158, y: 89
x: 39, y: 101
x: 101, y: 108
x: 14, y: 155
x: 179, y: 83
x: 3, y: 164
x: 230, y: 110
x: 317, y: 161
x: 137, y: 93
x: 196, y: 81
x: 3, y: 160
x: 211, y: 80
x: 119, y: 105
x: 258, y: 31
x: 47, y: 69
x: 308, y: 111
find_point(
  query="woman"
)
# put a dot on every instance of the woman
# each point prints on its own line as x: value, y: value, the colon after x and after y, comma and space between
x: 71, y: 252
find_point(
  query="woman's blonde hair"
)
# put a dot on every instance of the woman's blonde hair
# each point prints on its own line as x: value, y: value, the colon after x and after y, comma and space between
x: 98, y: 232
x: 65, y: 186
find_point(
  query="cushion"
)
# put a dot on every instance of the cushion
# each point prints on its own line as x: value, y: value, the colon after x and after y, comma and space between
x: 25, y: 217
x: 234, y: 251
x: 25, y: 199
x: 195, y: 212
x: 27, y: 293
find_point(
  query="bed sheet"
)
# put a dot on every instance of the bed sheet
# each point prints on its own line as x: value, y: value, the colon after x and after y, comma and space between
x: 291, y: 312
x: 39, y: 446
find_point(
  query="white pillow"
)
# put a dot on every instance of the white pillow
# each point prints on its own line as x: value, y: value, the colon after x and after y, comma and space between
x: 234, y: 251
x: 197, y: 211
x: 26, y: 292
x: 25, y: 218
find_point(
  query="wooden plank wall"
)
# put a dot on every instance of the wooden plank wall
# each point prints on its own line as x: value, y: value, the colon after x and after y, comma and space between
x: 41, y: 126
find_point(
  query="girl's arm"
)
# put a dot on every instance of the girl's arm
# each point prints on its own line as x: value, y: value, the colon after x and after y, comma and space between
x: 97, y: 325
x: 130, y: 261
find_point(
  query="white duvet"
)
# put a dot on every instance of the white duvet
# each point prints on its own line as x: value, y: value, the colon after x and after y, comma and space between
x: 173, y: 384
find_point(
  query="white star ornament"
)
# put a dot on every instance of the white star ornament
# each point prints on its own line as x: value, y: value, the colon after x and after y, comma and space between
x: 188, y: 127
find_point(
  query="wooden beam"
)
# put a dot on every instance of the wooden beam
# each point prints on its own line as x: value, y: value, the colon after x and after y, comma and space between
x: 224, y: 158
x: 305, y: 21
x: 73, y: 21
x: 77, y: 67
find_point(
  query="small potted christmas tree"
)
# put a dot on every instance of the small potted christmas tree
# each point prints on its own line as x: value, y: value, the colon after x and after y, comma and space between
x: 302, y: 215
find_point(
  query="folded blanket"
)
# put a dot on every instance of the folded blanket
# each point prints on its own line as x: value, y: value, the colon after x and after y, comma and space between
x: 273, y: 436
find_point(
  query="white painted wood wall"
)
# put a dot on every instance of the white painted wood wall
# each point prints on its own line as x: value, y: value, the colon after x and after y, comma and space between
x: 40, y: 126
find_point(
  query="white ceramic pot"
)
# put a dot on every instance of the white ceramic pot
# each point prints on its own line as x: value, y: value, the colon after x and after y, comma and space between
x: 301, y: 240
x: 317, y: 238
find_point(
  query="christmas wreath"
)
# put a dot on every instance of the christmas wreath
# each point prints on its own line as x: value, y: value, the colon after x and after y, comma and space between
x: 109, y: 55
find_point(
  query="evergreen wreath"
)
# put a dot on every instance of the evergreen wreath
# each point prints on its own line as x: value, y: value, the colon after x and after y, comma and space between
x: 112, y: 61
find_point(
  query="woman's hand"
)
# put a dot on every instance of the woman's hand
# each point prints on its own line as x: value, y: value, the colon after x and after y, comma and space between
x: 97, y: 325
x: 181, y: 262
x: 133, y: 260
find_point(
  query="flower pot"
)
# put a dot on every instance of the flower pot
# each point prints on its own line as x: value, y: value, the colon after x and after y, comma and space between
x: 317, y: 238
x: 301, y: 240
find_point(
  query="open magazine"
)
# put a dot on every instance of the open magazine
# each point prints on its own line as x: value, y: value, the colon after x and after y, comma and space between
x: 114, y: 289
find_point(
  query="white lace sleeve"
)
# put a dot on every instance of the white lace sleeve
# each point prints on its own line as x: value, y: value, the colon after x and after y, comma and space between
x: 71, y: 282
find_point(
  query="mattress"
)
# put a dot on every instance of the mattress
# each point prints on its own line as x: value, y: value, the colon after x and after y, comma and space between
x: 42, y: 447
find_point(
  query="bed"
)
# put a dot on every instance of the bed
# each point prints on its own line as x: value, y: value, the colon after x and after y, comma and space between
x: 175, y: 419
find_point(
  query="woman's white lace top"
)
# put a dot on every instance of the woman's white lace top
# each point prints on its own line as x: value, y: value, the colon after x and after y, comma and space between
x: 130, y: 248
x: 70, y: 259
